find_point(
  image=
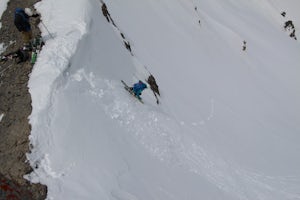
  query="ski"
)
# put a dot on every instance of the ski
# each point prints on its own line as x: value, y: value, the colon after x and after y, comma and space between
x: 126, y: 87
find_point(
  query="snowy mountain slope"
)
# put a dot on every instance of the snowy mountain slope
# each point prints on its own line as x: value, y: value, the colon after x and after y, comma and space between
x: 228, y: 123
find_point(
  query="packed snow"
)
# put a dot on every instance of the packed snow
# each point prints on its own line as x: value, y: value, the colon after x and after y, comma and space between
x: 227, y: 125
x: 3, y: 6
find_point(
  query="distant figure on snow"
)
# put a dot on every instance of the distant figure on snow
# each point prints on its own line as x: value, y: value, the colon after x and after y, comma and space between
x: 138, y: 88
x: 244, y: 45
x: 21, y: 21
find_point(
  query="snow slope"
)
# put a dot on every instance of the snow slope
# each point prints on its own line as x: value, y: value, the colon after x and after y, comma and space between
x: 3, y: 6
x: 228, y: 123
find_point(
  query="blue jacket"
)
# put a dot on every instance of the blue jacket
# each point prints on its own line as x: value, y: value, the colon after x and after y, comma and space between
x: 21, y: 20
x: 139, y: 87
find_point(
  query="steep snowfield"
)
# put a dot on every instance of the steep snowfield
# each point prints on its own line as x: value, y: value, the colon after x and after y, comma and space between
x: 227, y: 126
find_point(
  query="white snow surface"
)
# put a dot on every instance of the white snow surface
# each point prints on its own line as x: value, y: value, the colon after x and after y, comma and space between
x: 3, y: 6
x: 228, y: 123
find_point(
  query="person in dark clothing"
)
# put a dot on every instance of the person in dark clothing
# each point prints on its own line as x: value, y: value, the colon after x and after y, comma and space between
x: 21, y: 21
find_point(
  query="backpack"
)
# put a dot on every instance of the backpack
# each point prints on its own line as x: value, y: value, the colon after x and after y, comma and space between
x: 22, y: 55
x: 21, y: 20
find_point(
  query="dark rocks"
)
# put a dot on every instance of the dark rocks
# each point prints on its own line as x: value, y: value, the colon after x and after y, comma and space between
x: 15, y: 105
x: 289, y: 27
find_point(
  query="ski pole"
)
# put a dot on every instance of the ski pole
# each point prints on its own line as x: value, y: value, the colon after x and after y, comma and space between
x: 47, y: 30
x: 147, y: 69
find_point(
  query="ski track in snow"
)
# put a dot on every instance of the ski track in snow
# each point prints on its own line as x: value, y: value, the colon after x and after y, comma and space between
x: 155, y: 135
x: 160, y: 136
x: 169, y: 134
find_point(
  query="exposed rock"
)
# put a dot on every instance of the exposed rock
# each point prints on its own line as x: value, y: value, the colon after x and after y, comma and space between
x: 15, y: 102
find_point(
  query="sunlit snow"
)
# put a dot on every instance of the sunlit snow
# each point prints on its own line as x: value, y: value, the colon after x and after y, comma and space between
x: 228, y: 123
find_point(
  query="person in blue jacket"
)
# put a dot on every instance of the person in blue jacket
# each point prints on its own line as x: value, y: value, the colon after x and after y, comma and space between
x: 21, y: 21
x: 138, y: 88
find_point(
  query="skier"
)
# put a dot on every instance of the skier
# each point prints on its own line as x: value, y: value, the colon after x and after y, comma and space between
x: 21, y: 22
x: 138, y: 88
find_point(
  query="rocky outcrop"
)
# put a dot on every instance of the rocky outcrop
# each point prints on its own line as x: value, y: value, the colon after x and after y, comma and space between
x: 15, y: 107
